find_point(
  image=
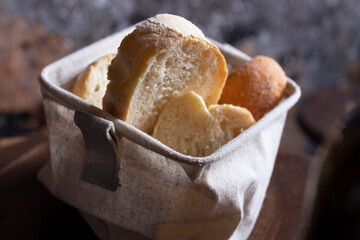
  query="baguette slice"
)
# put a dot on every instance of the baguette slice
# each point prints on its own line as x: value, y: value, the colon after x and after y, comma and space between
x: 163, y: 57
x: 90, y: 85
x: 187, y: 126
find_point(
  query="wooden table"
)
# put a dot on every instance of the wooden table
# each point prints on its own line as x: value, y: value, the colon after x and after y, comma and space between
x: 281, y: 216
x: 29, y: 211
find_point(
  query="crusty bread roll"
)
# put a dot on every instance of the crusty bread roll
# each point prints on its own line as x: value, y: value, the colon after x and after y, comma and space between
x: 187, y: 126
x: 163, y: 57
x: 91, y: 83
x: 258, y: 86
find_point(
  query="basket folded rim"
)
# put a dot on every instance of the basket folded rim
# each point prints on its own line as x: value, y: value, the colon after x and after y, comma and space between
x: 51, y: 90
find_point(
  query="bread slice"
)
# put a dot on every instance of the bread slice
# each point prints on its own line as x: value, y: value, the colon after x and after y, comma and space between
x: 91, y: 83
x: 258, y: 86
x: 163, y: 57
x: 186, y: 125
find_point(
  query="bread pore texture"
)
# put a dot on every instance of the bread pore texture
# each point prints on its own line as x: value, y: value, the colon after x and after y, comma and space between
x: 164, y: 57
x: 186, y: 125
x: 91, y: 84
x: 258, y: 86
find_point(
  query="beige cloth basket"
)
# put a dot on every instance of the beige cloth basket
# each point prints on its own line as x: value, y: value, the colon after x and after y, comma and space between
x: 116, y: 174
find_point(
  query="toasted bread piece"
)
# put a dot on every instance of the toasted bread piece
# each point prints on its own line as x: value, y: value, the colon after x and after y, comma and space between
x: 91, y: 83
x: 258, y: 86
x: 186, y: 125
x: 163, y: 57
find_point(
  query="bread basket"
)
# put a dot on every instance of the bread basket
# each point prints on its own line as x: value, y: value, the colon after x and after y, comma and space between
x: 118, y: 176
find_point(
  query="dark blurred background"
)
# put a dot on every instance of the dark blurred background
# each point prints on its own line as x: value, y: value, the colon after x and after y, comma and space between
x: 316, y: 42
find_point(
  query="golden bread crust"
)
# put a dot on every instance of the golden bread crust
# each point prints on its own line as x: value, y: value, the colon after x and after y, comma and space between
x: 138, y: 53
x: 90, y: 84
x: 258, y: 86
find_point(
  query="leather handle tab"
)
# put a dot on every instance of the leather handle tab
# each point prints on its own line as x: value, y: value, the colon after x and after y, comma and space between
x: 101, y: 165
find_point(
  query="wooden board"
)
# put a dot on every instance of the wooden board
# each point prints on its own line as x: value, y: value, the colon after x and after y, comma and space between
x: 29, y: 211
x: 319, y: 113
x: 281, y: 214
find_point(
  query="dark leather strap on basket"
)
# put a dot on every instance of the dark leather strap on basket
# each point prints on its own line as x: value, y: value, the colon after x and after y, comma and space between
x: 101, y: 166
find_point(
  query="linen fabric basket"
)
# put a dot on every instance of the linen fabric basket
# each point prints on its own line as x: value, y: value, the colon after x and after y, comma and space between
x: 119, y: 176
